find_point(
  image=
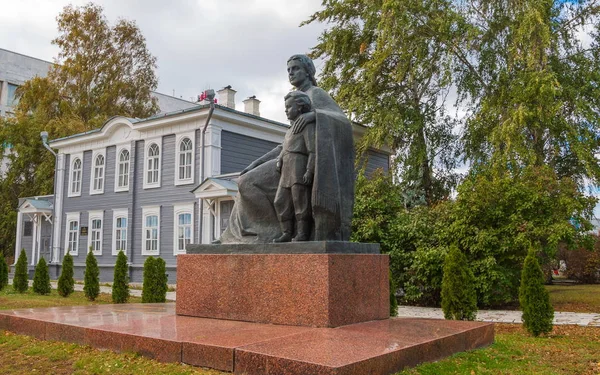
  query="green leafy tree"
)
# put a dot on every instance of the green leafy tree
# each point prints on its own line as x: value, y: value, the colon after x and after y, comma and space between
x: 120, y: 287
x: 459, y: 300
x: 101, y: 71
x: 91, y: 278
x: 496, y: 220
x: 532, y: 87
x: 66, y: 283
x: 538, y: 313
x: 21, y: 279
x: 3, y: 272
x: 393, y: 299
x: 41, y: 278
x: 387, y: 64
x: 149, y: 283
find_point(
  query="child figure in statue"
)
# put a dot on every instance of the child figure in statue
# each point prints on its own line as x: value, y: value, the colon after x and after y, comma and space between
x: 296, y: 164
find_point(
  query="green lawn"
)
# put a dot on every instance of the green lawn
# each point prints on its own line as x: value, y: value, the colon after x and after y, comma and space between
x: 9, y: 299
x: 569, y: 350
x: 575, y: 297
x: 26, y: 355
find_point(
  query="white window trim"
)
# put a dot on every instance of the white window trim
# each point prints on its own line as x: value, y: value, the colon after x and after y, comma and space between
x: 119, y: 213
x: 147, y: 211
x: 181, y: 208
x: 148, y: 143
x: 94, y: 215
x: 70, y: 193
x: 72, y: 216
x: 179, y: 138
x: 95, y: 154
x: 117, y: 157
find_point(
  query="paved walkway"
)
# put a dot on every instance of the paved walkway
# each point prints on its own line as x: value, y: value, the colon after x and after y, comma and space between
x: 501, y: 316
x: 496, y: 316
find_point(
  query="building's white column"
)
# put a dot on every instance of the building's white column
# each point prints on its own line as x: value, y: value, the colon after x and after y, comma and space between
x: 58, y: 207
x: 19, y: 235
x: 34, y: 238
x: 38, y: 245
x: 207, y: 227
x: 212, y: 151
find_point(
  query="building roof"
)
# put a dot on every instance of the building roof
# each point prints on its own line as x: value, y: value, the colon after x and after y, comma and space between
x: 173, y: 114
x: 36, y: 204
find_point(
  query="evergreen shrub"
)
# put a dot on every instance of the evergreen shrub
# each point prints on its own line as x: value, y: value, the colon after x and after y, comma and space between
x: 459, y: 299
x: 120, y: 287
x: 21, y: 280
x: 538, y: 313
x: 3, y: 272
x: 149, y: 280
x: 154, y: 288
x: 91, y: 279
x: 41, y: 278
x: 66, y: 283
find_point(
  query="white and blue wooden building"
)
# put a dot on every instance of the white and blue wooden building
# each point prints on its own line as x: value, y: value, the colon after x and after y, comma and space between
x: 136, y: 185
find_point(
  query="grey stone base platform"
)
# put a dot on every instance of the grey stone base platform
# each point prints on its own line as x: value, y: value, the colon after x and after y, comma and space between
x: 309, y: 247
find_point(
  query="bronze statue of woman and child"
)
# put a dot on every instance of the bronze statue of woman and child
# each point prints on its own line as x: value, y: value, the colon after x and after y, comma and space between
x: 303, y: 189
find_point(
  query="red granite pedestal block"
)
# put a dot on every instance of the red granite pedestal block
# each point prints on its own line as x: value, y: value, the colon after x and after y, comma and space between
x: 316, y: 290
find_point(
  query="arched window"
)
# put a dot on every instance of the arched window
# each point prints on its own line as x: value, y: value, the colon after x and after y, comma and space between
x: 153, y: 164
x: 186, y: 154
x: 123, y: 176
x: 98, y: 185
x: 76, y: 177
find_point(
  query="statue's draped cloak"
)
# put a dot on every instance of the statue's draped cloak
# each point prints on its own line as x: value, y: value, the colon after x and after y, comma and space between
x: 253, y: 218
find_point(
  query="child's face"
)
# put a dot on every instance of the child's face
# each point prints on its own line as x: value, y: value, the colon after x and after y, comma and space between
x: 291, y: 109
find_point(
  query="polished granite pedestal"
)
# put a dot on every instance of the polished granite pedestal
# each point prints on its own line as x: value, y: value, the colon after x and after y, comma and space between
x: 314, y: 290
x: 154, y: 330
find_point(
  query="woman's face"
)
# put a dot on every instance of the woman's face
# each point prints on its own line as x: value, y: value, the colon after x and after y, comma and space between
x: 296, y: 73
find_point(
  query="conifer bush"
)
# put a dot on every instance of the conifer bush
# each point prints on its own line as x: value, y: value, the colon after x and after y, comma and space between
x: 120, y: 287
x: 459, y: 299
x: 161, y: 280
x: 66, y: 283
x: 148, y: 286
x: 41, y: 278
x: 538, y: 313
x: 91, y: 281
x: 154, y: 288
x: 21, y: 281
x: 3, y: 272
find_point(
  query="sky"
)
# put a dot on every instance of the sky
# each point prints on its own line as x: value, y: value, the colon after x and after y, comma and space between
x: 199, y: 44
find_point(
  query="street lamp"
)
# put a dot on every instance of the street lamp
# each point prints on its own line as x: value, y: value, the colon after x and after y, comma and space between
x: 44, y: 136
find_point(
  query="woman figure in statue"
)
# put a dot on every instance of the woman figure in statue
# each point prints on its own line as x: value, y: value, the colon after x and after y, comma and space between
x: 253, y: 218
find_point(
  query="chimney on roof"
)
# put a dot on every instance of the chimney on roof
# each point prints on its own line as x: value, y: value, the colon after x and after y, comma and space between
x: 251, y: 105
x: 227, y: 97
